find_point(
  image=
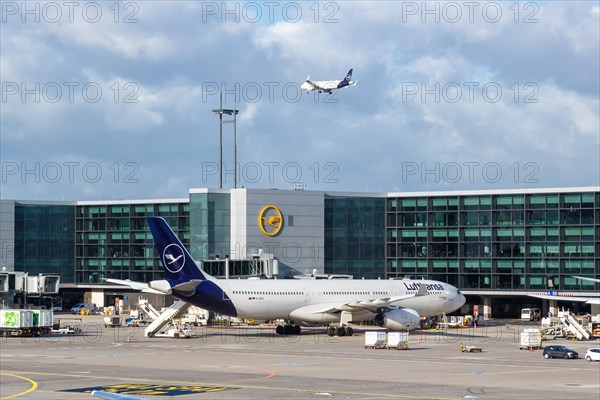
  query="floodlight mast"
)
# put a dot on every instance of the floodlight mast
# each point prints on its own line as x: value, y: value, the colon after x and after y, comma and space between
x: 220, y: 111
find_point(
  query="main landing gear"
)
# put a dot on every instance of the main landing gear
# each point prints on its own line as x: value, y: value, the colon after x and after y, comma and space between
x: 288, y: 329
x: 340, y: 331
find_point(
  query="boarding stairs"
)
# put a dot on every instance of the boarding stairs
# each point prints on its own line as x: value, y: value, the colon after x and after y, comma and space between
x: 573, y: 326
x: 147, y: 308
x: 165, y: 319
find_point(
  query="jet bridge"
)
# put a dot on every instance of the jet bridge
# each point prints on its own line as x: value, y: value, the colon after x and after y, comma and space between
x: 164, y: 321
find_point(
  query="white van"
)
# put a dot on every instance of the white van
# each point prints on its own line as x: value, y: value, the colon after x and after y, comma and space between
x: 531, y: 314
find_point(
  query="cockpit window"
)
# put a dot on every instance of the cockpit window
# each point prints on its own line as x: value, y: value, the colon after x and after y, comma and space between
x: 458, y: 291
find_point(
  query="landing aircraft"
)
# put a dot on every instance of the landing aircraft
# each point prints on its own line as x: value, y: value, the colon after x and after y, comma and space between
x: 393, y: 304
x: 328, y: 86
x: 587, y: 300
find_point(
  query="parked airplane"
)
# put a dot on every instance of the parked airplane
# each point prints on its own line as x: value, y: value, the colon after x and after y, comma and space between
x: 328, y: 86
x: 393, y: 304
x: 587, y: 300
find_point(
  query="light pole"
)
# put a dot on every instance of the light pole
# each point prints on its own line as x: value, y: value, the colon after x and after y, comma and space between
x: 220, y: 111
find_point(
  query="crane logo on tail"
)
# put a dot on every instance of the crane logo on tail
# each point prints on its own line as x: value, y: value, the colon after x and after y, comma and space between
x: 173, y: 258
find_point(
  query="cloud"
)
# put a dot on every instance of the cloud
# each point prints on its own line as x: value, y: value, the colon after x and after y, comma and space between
x: 156, y: 75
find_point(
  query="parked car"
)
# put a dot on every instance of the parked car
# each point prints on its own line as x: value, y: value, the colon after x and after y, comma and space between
x: 76, y: 309
x: 559, y: 351
x: 592, y: 354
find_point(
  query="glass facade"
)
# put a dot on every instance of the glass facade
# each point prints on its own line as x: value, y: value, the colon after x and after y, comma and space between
x: 44, y: 239
x: 210, y: 225
x: 114, y: 241
x: 506, y: 242
x: 355, y: 236
x: 482, y: 241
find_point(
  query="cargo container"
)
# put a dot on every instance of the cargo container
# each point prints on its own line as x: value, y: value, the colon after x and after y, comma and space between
x: 531, y: 339
x: 375, y: 339
x: 42, y: 321
x: 16, y: 322
x: 397, y: 340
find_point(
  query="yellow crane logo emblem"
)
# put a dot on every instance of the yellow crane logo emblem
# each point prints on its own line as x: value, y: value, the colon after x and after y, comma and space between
x: 270, y: 220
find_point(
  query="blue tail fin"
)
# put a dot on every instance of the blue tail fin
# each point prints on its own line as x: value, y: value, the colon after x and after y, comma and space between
x: 348, y: 77
x: 176, y: 261
x: 346, y: 81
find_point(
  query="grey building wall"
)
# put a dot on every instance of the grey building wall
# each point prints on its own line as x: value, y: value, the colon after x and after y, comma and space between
x: 300, y: 242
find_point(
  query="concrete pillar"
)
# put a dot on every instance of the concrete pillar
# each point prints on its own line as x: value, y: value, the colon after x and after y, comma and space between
x: 553, y: 308
x: 96, y: 296
x: 487, y: 307
x: 595, y: 309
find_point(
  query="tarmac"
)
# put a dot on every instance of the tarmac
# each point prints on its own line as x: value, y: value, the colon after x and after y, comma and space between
x: 255, y: 363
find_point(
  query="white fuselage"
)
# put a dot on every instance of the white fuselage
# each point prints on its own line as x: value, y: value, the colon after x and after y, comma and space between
x: 320, y: 300
x: 320, y: 85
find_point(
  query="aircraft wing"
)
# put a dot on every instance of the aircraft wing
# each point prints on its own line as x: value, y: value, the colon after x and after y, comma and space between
x: 588, y: 300
x: 315, y: 85
x: 141, y: 286
x: 115, y: 396
x: 370, y: 304
x: 325, y: 86
x: 587, y: 279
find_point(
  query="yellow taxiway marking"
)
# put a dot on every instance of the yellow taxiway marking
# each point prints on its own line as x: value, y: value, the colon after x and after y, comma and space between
x: 34, y: 386
x: 283, y: 389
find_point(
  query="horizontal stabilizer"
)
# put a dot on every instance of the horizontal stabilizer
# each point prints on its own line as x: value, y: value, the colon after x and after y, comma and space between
x: 187, y: 288
x: 141, y: 286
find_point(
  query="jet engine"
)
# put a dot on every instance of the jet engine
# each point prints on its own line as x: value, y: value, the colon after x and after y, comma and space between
x: 398, y: 319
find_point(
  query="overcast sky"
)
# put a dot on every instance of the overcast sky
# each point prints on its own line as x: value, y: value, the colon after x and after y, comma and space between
x: 105, y: 100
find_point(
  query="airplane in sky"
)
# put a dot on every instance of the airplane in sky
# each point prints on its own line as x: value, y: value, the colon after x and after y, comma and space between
x: 393, y: 304
x: 328, y: 86
x: 581, y: 299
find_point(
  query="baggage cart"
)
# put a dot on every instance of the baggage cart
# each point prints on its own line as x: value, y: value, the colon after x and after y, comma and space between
x: 375, y: 340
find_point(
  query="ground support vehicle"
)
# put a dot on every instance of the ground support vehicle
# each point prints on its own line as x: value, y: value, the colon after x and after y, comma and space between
x: 67, y: 326
x: 17, y: 322
x: 470, y: 349
x: 178, y: 330
x: 112, y: 321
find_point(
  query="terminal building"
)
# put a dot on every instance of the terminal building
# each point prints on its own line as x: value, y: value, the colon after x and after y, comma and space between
x: 495, y: 245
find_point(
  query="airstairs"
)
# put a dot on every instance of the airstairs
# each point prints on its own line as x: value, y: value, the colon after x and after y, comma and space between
x: 164, y: 321
x: 573, y: 326
x: 147, y: 308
